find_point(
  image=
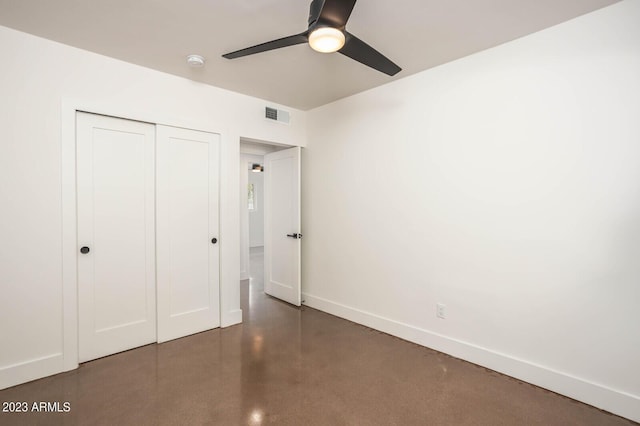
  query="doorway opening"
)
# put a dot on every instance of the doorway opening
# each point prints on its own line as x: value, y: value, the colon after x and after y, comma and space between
x: 269, y: 217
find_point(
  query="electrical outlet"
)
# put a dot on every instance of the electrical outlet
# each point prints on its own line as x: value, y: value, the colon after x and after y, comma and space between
x: 441, y: 310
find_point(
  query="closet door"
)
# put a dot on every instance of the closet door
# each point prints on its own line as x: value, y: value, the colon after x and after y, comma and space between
x: 116, y: 235
x: 187, y: 232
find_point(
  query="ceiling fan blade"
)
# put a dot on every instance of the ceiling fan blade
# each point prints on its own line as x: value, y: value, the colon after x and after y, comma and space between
x: 367, y: 55
x: 270, y: 45
x: 335, y: 13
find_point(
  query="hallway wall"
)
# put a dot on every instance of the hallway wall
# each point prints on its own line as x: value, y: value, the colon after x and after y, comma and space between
x: 256, y: 216
x: 245, y: 238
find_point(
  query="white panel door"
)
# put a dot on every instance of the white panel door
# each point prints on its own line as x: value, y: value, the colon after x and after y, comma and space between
x: 116, y: 235
x: 282, y: 225
x: 187, y: 232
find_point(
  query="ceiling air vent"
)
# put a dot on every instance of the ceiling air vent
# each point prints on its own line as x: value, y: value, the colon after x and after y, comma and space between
x: 276, y: 115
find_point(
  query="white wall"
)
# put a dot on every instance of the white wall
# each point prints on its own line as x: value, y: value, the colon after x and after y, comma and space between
x: 505, y: 185
x: 256, y: 216
x: 36, y: 78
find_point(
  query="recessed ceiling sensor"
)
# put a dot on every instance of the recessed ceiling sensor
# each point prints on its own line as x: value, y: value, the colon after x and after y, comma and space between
x: 195, y: 61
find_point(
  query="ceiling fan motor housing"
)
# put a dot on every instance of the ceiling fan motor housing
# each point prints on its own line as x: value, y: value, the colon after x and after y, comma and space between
x: 334, y: 15
x: 314, y: 11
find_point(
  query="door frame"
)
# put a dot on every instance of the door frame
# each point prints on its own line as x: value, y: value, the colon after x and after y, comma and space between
x: 230, y: 312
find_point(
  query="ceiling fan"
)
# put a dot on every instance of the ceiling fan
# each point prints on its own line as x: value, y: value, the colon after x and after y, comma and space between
x: 326, y: 33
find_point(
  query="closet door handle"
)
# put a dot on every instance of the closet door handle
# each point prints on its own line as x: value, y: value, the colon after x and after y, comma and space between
x: 214, y: 240
x: 296, y: 236
x: 85, y: 250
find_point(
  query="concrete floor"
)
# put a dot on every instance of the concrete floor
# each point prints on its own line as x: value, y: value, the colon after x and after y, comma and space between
x: 290, y: 366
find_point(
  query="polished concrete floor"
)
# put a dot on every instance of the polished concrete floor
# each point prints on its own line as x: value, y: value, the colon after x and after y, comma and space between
x: 290, y: 366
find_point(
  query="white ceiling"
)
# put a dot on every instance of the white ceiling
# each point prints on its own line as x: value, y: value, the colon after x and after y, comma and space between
x: 159, y: 34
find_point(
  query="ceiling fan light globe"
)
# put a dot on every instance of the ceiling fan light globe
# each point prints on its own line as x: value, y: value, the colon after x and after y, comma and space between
x: 326, y: 39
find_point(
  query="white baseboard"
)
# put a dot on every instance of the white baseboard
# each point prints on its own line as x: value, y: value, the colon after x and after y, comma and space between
x: 27, y: 371
x: 231, y: 318
x: 603, y: 397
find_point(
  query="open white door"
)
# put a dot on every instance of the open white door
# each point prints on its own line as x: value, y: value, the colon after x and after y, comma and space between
x: 282, y: 225
x: 188, y: 250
